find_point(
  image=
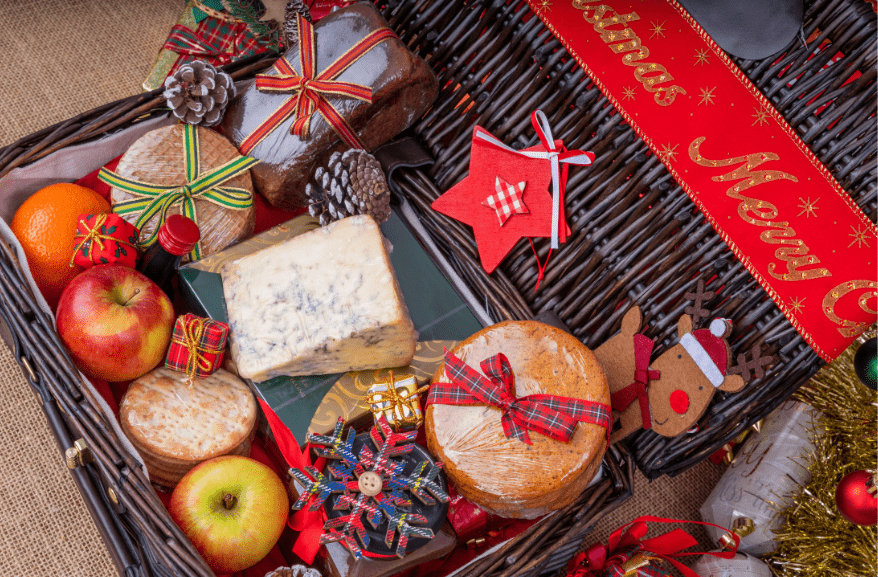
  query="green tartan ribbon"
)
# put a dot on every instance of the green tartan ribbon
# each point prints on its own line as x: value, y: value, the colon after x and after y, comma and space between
x: 153, y: 199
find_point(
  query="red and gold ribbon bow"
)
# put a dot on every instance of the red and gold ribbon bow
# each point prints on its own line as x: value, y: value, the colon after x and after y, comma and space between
x: 626, y: 551
x: 642, y: 375
x: 550, y: 415
x: 309, y: 88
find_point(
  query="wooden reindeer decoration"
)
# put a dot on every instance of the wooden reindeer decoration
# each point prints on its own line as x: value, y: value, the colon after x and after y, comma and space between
x: 671, y: 394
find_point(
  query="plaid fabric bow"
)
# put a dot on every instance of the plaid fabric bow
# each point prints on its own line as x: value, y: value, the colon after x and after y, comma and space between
x: 218, y: 38
x: 628, y: 554
x: 189, y: 44
x: 153, y: 199
x: 642, y: 375
x: 309, y: 88
x: 550, y: 415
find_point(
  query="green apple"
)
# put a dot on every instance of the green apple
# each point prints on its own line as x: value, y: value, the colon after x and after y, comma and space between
x: 233, y: 509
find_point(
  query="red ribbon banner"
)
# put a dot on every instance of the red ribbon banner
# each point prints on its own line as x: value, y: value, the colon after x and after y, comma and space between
x: 777, y: 208
x: 309, y: 524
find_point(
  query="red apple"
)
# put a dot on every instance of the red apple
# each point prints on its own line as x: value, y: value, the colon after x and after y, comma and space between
x: 233, y: 509
x: 115, y: 322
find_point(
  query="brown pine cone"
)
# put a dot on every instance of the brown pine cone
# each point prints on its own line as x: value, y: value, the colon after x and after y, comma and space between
x: 352, y: 183
x: 198, y: 93
x: 291, y: 30
x: 294, y: 571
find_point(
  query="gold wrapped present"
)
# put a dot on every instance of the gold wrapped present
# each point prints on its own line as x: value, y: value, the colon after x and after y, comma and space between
x: 347, y: 398
x: 396, y: 399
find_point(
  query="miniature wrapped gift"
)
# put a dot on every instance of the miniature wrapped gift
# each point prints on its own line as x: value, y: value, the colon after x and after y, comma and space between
x: 189, y: 170
x: 205, y: 33
x: 197, y: 346
x: 527, y: 434
x: 323, y: 302
x: 396, y: 399
x: 104, y: 239
x: 348, y: 83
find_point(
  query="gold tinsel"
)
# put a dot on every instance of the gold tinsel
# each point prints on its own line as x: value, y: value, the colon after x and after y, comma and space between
x: 816, y: 541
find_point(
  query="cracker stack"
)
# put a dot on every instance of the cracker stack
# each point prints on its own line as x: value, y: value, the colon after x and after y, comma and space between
x: 157, y: 158
x: 175, y: 427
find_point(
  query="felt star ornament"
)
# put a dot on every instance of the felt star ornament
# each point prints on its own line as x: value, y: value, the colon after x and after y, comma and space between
x: 486, y: 200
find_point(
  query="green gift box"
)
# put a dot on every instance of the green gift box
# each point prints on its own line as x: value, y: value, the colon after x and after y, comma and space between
x: 315, y: 402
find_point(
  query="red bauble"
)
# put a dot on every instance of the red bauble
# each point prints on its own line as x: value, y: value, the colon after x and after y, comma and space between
x: 854, y: 501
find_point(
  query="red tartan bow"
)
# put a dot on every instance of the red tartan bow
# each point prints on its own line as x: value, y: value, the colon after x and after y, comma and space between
x: 642, y: 375
x: 309, y: 88
x: 609, y: 560
x: 184, y: 41
x: 553, y: 416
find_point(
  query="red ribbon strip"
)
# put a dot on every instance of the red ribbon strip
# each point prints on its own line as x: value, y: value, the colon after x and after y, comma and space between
x: 772, y: 202
x: 553, y: 416
x: 605, y: 558
x: 620, y: 400
x: 309, y: 89
x: 309, y: 524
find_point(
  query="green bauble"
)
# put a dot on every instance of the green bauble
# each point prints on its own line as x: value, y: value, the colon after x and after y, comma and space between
x: 866, y: 363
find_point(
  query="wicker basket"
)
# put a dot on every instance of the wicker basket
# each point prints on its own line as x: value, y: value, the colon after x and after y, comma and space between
x: 135, y: 526
x: 638, y: 239
x: 141, y: 538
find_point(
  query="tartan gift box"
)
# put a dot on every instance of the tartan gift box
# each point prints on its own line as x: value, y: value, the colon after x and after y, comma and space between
x: 104, y: 239
x: 197, y: 346
x: 203, y: 33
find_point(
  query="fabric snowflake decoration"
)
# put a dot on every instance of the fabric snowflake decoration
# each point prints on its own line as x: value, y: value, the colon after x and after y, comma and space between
x: 370, y: 485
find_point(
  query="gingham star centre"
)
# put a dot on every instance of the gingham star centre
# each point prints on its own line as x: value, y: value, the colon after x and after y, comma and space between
x: 507, y: 200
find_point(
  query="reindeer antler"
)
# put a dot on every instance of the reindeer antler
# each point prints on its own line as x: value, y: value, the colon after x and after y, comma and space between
x: 756, y: 364
x: 700, y: 296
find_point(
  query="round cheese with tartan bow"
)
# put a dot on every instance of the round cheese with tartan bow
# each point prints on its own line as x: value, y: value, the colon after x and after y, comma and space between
x: 520, y: 415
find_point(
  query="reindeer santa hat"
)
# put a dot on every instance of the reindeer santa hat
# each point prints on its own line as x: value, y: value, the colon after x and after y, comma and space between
x: 708, y: 349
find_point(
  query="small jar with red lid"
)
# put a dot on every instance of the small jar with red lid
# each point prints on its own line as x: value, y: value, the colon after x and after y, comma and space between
x: 176, y: 238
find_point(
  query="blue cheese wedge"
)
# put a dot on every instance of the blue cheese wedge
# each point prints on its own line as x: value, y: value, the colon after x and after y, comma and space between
x: 324, y: 302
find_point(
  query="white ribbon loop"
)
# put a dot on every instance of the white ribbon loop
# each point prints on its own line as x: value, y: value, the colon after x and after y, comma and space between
x: 555, y: 156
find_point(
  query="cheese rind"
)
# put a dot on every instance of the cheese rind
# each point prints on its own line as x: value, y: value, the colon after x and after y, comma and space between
x: 323, y: 302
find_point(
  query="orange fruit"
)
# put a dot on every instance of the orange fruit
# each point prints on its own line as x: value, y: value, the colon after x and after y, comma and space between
x: 45, y: 226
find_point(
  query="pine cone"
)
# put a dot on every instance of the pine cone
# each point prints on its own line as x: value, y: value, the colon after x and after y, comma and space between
x: 352, y: 183
x: 294, y: 571
x: 291, y: 30
x: 198, y: 93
